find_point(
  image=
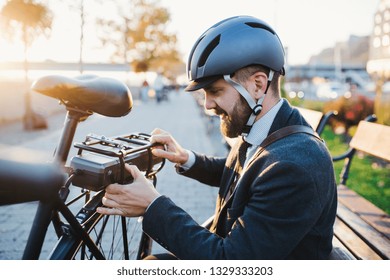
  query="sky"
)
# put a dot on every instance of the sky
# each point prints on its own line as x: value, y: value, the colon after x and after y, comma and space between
x: 304, y: 26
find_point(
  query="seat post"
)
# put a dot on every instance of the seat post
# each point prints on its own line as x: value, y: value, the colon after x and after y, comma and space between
x: 73, y: 117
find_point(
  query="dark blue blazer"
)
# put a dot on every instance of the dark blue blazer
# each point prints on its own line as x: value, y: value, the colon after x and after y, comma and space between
x: 283, y: 207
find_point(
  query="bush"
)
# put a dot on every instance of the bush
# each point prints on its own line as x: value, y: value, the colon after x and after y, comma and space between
x: 350, y: 111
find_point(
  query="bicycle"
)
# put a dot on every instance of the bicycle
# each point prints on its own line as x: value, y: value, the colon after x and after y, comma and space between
x: 84, y: 233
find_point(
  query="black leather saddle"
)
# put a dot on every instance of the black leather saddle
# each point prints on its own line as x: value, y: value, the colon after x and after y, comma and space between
x: 105, y: 96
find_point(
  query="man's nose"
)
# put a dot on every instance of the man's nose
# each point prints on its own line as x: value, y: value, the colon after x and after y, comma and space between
x: 209, y: 103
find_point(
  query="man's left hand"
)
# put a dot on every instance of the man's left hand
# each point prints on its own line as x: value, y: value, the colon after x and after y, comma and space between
x: 129, y: 200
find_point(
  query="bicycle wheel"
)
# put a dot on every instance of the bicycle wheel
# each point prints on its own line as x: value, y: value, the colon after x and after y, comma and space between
x: 115, y: 237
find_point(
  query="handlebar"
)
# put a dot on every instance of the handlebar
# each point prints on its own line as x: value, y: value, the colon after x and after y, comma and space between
x: 30, y: 181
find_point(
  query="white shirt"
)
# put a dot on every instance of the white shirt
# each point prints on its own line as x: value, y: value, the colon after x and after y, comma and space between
x: 260, y: 130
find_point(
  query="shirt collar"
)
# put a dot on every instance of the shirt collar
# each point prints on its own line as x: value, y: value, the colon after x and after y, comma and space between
x: 262, y: 126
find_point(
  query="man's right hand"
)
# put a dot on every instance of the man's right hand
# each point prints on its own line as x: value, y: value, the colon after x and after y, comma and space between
x: 172, y: 152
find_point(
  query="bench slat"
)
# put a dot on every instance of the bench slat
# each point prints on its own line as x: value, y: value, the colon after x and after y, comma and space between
x: 370, y: 213
x: 339, y: 251
x: 353, y: 242
x: 368, y: 234
x: 372, y: 138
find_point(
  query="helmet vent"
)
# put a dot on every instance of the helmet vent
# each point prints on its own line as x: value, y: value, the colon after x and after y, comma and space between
x: 259, y: 25
x: 208, y: 50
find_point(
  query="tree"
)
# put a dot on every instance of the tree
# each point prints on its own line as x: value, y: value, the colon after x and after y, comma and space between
x: 27, y: 20
x: 140, y: 37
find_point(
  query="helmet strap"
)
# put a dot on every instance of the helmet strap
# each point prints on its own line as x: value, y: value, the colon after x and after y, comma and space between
x: 256, y: 107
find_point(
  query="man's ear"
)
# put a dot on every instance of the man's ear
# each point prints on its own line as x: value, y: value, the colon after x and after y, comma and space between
x: 260, y: 79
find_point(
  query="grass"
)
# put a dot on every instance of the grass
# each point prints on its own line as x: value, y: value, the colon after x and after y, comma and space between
x: 368, y: 177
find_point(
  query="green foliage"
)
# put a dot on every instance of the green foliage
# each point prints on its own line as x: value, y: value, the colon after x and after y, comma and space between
x: 350, y: 110
x: 308, y: 104
x: 283, y: 92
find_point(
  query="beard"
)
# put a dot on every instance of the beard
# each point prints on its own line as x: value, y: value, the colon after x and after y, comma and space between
x: 232, y: 125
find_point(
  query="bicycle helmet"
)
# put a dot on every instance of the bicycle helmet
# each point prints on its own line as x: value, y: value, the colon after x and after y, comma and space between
x: 230, y: 45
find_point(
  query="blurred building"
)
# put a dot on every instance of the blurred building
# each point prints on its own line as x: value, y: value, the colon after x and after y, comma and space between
x: 344, y: 63
x: 379, y: 54
x: 330, y: 73
x: 378, y: 65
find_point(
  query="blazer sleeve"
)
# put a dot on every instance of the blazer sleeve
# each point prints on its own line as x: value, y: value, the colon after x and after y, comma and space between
x: 263, y: 228
x: 207, y: 170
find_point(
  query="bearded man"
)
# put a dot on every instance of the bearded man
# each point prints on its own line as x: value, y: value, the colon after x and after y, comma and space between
x: 277, y: 191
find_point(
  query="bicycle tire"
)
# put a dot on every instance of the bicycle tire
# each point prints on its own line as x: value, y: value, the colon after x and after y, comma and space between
x: 106, y: 232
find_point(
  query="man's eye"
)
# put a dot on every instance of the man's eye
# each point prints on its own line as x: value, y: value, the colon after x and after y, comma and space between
x: 215, y: 92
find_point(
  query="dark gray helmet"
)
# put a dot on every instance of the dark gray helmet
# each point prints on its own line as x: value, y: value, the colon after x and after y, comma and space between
x: 230, y: 45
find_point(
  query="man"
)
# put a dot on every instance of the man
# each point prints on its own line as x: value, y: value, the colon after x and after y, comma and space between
x: 158, y: 86
x: 280, y: 202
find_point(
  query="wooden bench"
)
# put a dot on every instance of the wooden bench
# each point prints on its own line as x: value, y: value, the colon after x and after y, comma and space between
x: 362, y: 230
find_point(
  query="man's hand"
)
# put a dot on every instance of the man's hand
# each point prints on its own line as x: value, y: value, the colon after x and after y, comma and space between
x: 129, y: 200
x: 173, y: 151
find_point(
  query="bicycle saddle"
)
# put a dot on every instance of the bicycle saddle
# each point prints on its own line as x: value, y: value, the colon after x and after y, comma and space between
x: 105, y: 96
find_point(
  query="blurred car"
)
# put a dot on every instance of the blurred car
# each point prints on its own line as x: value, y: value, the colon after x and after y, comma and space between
x: 331, y: 90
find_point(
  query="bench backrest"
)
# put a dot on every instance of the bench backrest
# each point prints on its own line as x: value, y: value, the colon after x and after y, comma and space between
x: 311, y: 116
x: 373, y: 139
x: 316, y: 119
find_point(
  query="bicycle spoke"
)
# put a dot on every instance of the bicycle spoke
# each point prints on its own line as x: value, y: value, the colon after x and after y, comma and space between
x: 108, y: 234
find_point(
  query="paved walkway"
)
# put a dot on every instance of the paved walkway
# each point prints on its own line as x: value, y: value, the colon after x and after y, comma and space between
x: 180, y: 115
